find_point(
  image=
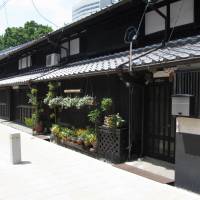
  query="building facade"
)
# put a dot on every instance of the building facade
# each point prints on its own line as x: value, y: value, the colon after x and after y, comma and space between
x: 91, y: 55
x: 85, y: 8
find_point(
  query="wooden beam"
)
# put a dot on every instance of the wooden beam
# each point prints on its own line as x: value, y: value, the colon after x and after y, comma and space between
x: 72, y: 91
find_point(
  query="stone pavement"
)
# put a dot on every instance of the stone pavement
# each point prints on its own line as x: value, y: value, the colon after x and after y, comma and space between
x: 50, y: 172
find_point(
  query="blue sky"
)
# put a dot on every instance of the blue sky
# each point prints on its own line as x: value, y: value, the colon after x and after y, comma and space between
x: 17, y: 12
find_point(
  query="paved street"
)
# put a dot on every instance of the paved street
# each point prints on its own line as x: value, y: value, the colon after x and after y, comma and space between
x: 52, y: 172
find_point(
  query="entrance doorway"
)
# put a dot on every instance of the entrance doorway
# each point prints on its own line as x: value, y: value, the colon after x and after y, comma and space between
x: 159, y: 125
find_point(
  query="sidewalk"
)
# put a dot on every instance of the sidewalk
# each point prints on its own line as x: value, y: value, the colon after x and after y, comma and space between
x: 51, y: 172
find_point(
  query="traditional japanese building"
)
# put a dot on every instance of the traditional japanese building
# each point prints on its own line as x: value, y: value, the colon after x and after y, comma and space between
x: 91, y: 54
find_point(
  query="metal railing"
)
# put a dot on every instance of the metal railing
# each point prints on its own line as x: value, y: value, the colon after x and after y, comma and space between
x: 4, y: 110
x: 24, y: 111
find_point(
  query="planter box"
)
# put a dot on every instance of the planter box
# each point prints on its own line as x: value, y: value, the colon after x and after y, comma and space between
x: 112, y: 144
x: 76, y: 147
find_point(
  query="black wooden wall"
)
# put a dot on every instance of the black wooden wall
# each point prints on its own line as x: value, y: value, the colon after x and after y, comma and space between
x: 98, y: 87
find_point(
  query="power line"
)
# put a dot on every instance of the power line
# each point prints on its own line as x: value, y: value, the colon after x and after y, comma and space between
x: 141, y: 20
x: 41, y: 15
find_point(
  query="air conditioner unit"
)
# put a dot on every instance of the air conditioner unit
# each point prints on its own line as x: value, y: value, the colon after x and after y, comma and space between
x: 52, y: 59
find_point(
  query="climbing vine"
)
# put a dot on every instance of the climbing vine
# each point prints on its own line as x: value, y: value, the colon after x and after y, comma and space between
x: 51, y: 94
x: 36, y: 109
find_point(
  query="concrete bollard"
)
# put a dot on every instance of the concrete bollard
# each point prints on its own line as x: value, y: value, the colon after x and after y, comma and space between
x: 15, y: 148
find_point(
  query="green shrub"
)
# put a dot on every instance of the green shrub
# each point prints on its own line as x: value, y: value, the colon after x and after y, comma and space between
x: 94, y: 116
x: 114, y: 121
x: 106, y: 104
x: 29, y: 122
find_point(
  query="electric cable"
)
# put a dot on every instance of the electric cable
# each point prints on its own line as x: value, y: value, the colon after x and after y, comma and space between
x: 42, y: 16
x: 131, y: 32
x: 141, y: 20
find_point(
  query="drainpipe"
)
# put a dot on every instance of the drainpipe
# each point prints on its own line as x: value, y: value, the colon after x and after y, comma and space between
x: 131, y: 87
x: 130, y: 103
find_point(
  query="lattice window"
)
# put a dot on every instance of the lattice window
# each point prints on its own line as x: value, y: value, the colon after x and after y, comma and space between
x: 188, y: 82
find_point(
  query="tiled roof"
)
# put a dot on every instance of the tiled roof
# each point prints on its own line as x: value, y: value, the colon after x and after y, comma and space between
x: 11, y: 50
x: 187, y: 48
x: 23, y: 79
x: 175, y: 51
x: 7, y: 52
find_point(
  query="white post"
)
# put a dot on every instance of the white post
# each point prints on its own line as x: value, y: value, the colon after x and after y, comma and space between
x: 15, y: 148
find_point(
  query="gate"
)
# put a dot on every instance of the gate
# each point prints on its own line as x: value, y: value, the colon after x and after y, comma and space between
x: 159, y: 135
x: 21, y: 107
x: 5, y: 103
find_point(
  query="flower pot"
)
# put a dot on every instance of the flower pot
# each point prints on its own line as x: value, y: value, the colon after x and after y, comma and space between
x: 57, y: 140
x: 79, y: 141
x: 94, y: 145
x: 87, y: 144
x: 39, y: 128
x: 73, y: 139
x: 69, y: 139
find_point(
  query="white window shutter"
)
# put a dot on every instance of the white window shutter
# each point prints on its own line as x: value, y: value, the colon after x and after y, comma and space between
x: 75, y: 46
x: 29, y: 61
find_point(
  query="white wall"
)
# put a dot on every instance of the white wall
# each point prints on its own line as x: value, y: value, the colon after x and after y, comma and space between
x: 188, y: 125
x: 154, y: 22
x: 75, y: 46
x: 182, y: 12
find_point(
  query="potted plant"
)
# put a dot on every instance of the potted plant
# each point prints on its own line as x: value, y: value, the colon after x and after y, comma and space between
x: 37, y: 123
x: 114, y: 121
x: 39, y: 128
x: 55, y: 130
x: 93, y: 141
x: 80, y: 140
x: 29, y: 122
x: 87, y: 143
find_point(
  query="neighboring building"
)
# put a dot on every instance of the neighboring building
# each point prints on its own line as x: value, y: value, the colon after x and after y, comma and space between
x: 91, y: 55
x: 84, y: 8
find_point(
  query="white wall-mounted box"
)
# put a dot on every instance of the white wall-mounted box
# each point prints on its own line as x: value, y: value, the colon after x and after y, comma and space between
x: 182, y: 105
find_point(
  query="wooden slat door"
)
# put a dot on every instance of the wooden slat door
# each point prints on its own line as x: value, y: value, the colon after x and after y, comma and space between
x: 159, y: 125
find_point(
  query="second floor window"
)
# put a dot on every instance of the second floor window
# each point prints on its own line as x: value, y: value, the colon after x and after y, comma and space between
x: 74, y: 46
x: 181, y: 13
x: 64, y: 50
x: 24, y: 62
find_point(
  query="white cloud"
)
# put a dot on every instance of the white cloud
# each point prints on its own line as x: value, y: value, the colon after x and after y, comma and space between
x: 21, y: 11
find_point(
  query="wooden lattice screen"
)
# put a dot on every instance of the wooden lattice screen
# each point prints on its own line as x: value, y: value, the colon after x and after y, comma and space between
x: 188, y: 82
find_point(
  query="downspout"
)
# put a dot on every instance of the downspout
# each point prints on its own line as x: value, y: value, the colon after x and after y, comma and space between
x: 131, y: 87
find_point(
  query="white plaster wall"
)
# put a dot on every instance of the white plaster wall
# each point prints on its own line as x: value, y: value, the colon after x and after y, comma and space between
x: 75, y: 46
x: 182, y: 12
x: 154, y: 22
x: 188, y: 125
x: 64, y: 51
